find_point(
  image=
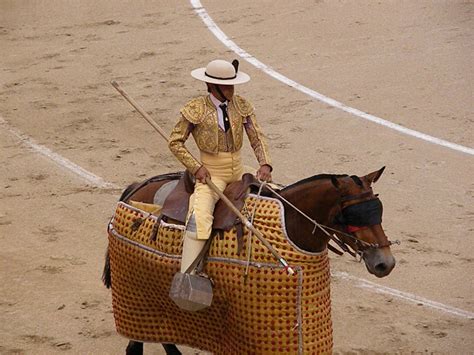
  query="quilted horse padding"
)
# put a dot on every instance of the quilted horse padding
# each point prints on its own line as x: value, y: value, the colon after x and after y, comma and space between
x: 257, y: 308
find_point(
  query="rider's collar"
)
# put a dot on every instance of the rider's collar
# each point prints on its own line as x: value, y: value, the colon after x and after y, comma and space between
x: 216, y: 101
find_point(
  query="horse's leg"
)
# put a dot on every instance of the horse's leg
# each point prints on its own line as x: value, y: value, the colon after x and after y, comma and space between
x: 134, y: 348
x: 171, y: 349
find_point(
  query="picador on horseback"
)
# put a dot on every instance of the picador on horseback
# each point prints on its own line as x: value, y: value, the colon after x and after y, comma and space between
x: 261, y: 285
x: 217, y: 122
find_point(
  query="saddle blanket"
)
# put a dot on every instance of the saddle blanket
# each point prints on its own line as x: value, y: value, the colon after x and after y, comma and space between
x: 257, y: 307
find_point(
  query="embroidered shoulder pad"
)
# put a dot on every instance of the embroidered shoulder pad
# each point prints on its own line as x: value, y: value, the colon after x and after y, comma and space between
x: 194, y: 110
x: 243, y: 106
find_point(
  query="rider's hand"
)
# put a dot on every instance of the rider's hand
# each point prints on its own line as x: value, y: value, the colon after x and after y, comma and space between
x: 264, y: 173
x: 202, y: 174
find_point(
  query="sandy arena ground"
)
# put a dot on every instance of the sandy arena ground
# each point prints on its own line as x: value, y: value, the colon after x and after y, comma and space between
x: 407, y: 62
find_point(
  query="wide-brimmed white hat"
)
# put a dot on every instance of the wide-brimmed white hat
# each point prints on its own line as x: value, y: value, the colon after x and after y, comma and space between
x: 221, y: 72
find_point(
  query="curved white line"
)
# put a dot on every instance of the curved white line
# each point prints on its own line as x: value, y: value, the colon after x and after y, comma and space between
x: 404, y: 295
x: 221, y: 36
x: 92, y: 179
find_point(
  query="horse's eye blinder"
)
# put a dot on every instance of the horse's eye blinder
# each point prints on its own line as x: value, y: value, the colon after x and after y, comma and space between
x: 366, y: 213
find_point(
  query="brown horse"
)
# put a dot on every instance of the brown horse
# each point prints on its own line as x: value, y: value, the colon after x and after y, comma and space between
x: 317, y: 209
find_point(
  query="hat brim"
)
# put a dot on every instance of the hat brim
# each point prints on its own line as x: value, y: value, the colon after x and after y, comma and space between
x: 200, y: 74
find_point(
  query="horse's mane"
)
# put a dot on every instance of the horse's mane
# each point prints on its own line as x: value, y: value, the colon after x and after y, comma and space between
x: 313, y: 178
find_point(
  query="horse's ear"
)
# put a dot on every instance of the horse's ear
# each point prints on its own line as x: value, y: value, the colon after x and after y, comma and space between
x: 335, y: 182
x: 373, y: 177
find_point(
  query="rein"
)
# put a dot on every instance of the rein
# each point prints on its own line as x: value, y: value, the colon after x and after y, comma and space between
x: 362, y: 245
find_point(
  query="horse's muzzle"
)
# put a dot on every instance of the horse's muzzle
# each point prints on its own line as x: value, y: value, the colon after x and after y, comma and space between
x: 379, y: 262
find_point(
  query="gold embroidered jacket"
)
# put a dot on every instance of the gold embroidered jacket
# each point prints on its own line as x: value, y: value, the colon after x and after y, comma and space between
x: 199, y: 117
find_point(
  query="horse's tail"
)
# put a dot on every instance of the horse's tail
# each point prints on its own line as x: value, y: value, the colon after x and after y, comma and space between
x: 106, y: 276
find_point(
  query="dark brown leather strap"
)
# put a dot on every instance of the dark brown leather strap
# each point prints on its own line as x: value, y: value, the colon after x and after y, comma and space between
x: 358, y: 196
x: 334, y: 250
x: 200, y: 258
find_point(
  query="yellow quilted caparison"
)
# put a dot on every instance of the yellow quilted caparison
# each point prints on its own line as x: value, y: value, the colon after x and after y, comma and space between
x: 256, y: 309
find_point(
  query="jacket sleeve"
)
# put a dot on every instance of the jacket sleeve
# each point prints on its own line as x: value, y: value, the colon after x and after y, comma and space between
x: 178, y: 137
x: 257, y: 140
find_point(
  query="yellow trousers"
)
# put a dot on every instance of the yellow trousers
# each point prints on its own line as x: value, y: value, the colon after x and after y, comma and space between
x: 224, y: 168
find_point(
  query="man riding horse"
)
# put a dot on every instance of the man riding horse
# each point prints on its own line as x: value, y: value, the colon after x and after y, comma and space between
x: 217, y: 122
x: 257, y: 306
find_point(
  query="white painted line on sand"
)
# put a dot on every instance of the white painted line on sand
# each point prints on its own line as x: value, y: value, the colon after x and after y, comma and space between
x: 221, y: 36
x: 403, y: 295
x: 58, y: 159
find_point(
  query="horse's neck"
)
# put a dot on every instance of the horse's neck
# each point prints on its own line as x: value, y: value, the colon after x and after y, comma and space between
x: 318, y: 200
x: 315, y: 198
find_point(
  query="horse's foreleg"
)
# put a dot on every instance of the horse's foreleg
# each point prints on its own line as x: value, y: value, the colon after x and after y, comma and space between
x: 134, y: 348
x: 171, y: 349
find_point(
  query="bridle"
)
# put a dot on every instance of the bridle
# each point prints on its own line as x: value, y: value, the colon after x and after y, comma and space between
x: 361, y: 246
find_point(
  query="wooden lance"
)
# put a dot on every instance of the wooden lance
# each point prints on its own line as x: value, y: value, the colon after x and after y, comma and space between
x: 229, y: 204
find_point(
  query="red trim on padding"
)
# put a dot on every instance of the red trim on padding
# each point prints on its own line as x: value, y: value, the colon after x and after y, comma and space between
x: 352, y: 229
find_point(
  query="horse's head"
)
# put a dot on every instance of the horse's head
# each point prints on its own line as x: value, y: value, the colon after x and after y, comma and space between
x: 360, y: 215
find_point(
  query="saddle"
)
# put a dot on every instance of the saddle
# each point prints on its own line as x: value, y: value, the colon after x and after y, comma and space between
x: 176, y: 204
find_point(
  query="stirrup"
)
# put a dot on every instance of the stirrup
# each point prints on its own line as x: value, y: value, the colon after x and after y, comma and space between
x: 191, y: 292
